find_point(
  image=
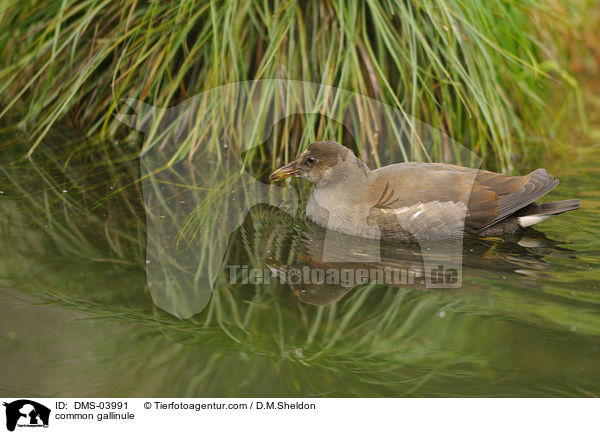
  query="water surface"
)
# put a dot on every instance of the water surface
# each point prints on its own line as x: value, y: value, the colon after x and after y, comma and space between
x: 77, y: 317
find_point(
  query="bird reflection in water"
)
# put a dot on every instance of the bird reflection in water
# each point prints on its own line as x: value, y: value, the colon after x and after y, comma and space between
x: 294, y: 253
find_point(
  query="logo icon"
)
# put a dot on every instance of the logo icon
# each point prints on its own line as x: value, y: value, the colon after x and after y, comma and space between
x: 26, y: 413
x: 194, y: 205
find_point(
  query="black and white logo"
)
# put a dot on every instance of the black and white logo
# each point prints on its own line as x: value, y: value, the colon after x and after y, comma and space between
x: 26, y: 413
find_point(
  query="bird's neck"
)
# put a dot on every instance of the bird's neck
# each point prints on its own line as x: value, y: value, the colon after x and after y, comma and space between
x: 350, y: 180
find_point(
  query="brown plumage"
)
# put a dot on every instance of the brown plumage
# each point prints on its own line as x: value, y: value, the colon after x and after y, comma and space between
x: 416, y: 201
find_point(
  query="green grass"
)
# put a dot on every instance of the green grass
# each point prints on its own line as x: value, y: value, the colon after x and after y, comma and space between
x: 481, y: 72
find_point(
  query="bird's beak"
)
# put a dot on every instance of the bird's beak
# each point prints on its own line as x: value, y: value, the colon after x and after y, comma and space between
x: 285, y: 171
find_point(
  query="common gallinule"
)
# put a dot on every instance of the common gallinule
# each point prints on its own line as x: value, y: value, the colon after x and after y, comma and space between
x: 418, y: 201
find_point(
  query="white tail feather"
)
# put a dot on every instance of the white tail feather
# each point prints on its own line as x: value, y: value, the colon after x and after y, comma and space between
x: 531, y: 220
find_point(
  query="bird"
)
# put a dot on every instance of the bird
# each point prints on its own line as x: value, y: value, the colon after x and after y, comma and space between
x: 416, y: 201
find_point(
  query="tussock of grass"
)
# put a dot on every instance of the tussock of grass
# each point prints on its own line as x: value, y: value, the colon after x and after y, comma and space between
x: 476, y: 70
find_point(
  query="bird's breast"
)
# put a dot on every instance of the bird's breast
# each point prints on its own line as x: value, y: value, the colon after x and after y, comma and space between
x: 337, y: 212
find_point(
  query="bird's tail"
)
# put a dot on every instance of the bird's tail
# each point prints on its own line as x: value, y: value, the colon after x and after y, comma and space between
x: 538, y: 212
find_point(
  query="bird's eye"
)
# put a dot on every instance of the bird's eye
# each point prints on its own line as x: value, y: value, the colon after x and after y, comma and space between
x: 311, y: 160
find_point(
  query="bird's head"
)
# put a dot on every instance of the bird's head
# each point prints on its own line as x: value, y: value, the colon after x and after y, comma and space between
x: 322, y: 162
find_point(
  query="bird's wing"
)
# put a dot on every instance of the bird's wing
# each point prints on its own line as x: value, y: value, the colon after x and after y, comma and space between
x: 512, y: 193
x: 490, y: 197
x: 424, y: 221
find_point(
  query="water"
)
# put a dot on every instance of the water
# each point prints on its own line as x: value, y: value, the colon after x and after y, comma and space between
x: 77, y: 317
